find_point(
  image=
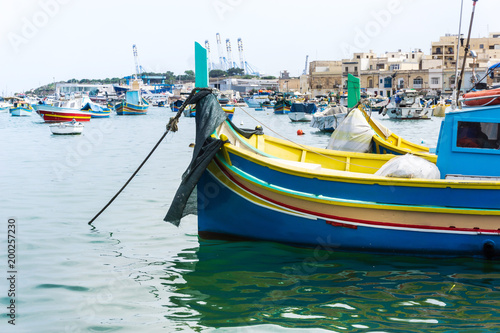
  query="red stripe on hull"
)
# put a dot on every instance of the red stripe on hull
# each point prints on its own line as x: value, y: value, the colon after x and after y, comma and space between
x: 53, y: 117
x: 346, y: 219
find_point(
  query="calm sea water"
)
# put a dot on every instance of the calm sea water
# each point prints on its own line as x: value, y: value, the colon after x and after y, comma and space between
x: 133, y: 272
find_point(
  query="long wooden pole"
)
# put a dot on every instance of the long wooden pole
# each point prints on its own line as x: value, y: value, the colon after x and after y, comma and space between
x: 466, y: 50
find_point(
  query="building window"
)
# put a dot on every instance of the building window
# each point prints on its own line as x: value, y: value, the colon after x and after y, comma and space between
x: 418, y: 82
x: 380, y: 66
x: 394, y: 67
x: 381, y: 81
x: 481, y: 46
x: 370, y: 83
x: 371, y: 66
x: 438, y: 50
x: 434, y: 80
x: 358, y: 57
x: 356, y: 69
x: 413, y: 56
x: 347, y: 69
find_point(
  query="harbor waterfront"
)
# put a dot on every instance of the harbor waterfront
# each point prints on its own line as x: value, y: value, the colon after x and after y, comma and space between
x: 131, y: 271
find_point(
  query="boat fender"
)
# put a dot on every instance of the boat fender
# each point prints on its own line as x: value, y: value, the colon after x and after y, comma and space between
x: 300, y: 132
x: 489, y: 249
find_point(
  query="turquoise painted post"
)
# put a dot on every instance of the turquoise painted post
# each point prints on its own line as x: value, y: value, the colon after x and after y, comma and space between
x: 201, y: 66
x: 353, y: 91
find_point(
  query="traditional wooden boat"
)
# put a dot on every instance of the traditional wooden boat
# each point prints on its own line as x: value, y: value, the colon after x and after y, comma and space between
x: 308, y: 196
x: 67, y: 128
x: 482, y: 97
x: 282, y: 106
x: 176, y: 105
x: 21, y: 108
x: 133, y: 104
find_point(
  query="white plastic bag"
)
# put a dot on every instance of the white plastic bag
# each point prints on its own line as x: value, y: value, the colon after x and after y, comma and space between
x: 409, y: 166
x: 353, y: 134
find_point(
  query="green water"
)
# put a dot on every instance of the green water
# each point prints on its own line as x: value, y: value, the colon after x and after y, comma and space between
x: 133, y: 272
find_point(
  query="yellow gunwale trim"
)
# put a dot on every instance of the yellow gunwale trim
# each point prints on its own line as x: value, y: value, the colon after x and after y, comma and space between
x: 346, y: 176
x: 235, y: 172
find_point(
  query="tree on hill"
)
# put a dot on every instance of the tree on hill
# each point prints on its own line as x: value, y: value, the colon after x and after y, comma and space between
x: 217, y: 73
x: 235, y: 71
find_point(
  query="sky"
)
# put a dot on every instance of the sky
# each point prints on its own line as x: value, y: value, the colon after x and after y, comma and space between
x: 42, y: 41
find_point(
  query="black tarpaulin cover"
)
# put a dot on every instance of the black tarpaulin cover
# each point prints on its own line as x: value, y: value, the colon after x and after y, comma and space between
x: 209, y: 115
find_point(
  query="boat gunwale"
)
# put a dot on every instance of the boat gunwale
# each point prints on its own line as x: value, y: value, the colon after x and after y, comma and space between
x: 257, y: 156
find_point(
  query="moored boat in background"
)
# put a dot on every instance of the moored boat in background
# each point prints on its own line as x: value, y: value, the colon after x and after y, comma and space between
x: 67, y: 128
x: 302, y: 112
x: 133, y: 104
x: 21, y: 108
x: 63, y: 110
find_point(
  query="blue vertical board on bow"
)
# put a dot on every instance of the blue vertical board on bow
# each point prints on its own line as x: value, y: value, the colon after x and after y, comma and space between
x: 353, y: 91
x: 201, y: 66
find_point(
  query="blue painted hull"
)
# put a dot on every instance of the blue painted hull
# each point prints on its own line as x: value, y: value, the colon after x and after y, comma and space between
x: 261, y: 223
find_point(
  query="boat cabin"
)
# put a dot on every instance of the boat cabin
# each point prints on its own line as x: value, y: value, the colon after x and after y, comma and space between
x: 469, y: 142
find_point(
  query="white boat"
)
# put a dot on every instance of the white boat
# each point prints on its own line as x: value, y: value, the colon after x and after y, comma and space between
x: 64, y: 110
x: 5, y: 105
x: 67, y: 128
x: 329, y: 119
x: 256, y: 100
x: 407, y: 105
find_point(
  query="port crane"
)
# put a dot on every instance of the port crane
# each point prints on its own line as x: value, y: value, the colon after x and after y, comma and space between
x: 305, y: 67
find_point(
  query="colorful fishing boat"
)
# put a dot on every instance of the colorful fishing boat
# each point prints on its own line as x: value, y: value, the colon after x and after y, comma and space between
x: 63, y: 110
x: 133, y: 104
x: 282, y: 106
x: 21, y: 108
x: 176, y: 105
x: 306, y: 196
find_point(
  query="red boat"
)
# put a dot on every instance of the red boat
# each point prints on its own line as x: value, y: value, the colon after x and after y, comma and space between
x: 482, y: 97
x: 55, y: 114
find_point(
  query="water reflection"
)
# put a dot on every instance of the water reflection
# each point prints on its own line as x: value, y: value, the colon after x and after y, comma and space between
x: 228, y: 284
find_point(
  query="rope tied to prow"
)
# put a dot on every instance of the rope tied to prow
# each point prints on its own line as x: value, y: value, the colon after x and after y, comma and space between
x: 195, y: 95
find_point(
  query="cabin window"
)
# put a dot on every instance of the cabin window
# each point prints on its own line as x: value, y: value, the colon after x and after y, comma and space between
x: 478, y: 135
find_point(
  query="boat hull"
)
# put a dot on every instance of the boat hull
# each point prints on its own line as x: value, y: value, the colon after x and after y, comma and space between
x: 20, y: 112
x: 300, y: 117
x: 66, y: 128
x: 53, y: 114
x: 273, y: 217
x: 124, y: 108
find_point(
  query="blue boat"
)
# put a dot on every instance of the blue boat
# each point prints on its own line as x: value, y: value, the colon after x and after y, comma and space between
x: 302, y: 112
x: 305, y: 196
x: 96, y: 110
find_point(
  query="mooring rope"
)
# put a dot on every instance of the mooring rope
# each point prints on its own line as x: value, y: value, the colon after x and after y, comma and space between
x: 171, y: 126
